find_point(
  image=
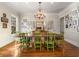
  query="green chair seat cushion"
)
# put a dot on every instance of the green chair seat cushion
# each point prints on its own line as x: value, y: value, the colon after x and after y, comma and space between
x: 50, y: 44
x: 37, y: 42
x: 37, y: 33
x: 37, y: 45
x: 37, y: 39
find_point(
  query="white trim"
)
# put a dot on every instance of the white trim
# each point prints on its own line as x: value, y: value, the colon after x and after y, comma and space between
x: 6, y: 41
x: 72, y: 42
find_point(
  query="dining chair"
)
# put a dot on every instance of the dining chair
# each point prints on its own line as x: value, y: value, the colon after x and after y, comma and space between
x: 49, y: 42
x: 37, y: 40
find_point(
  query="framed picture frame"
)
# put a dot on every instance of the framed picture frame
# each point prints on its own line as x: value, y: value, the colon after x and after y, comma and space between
x: 77, y: 28
x: 0, y: 22
x: 4, y: 18
x: 24, y: 20
x: 67, y: 21
x: 4, y: 25
x: 78, y: 21
x: 13, y: 24
x: 70, y: 22
x: 74, y: 22
x: 13, y: 28
x: 78, y: 8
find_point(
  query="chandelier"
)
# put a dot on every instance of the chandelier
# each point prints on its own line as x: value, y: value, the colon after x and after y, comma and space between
x: 39, y: 15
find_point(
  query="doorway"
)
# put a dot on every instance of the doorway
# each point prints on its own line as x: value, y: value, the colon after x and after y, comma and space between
x: 62, y: 25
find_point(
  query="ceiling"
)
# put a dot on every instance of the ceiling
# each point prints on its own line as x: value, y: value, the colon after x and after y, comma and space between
x: 31, y: 7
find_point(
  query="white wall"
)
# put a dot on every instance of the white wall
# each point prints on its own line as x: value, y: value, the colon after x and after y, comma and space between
x: 49, y: 16
x: 70, y: 34
x: 5, y: 33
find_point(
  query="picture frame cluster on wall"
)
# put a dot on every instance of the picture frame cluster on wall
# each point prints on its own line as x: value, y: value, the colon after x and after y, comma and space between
x: 72, y: 20
x: 4, y: 22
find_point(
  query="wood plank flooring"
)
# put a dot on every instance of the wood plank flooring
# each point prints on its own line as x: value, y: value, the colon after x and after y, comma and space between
x: 11, y: 50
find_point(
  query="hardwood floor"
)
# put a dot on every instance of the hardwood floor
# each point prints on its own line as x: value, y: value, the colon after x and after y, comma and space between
x: 11, y: 50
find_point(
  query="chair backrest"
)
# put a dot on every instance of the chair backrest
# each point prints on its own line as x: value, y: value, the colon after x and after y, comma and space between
x: 59, y: 37
x: 51, y: 35
x: 37, y: 33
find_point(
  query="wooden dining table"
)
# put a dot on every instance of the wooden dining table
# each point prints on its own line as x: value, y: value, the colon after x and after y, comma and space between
x: 43, y: 34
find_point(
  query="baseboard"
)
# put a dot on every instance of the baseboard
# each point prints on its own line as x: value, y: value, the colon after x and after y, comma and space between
x: 73, y: 42
x: 6, y: 41
x: 6, y: 45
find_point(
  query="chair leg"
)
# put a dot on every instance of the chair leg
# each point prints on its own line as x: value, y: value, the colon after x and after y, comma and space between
x: 34, y: 47
x: 40, y: 48
x: 47, y: 48
x: 63, y: 47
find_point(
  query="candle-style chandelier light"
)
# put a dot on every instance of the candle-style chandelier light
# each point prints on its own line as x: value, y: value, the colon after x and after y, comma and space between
x: 39, y: 15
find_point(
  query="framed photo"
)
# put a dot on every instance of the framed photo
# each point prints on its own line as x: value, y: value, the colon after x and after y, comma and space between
x: 13, y: 28
x: 4, y: 25
x: 13, y: 25
x: 77, y: 28
x: 67, y: 21
x: 4, y: 18
x: 74, y: 27
x: 78, y: 8
x: 70, y: 22
x: 0, y: 22
x: 78, y: 21
x: 75, y: 22
x: 24, y: 20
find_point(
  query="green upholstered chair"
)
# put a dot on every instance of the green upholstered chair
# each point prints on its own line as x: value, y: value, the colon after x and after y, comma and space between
x: 37, y: 40
x: 60, y: 40
x: 50, y: 42
x: 24, y: 40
